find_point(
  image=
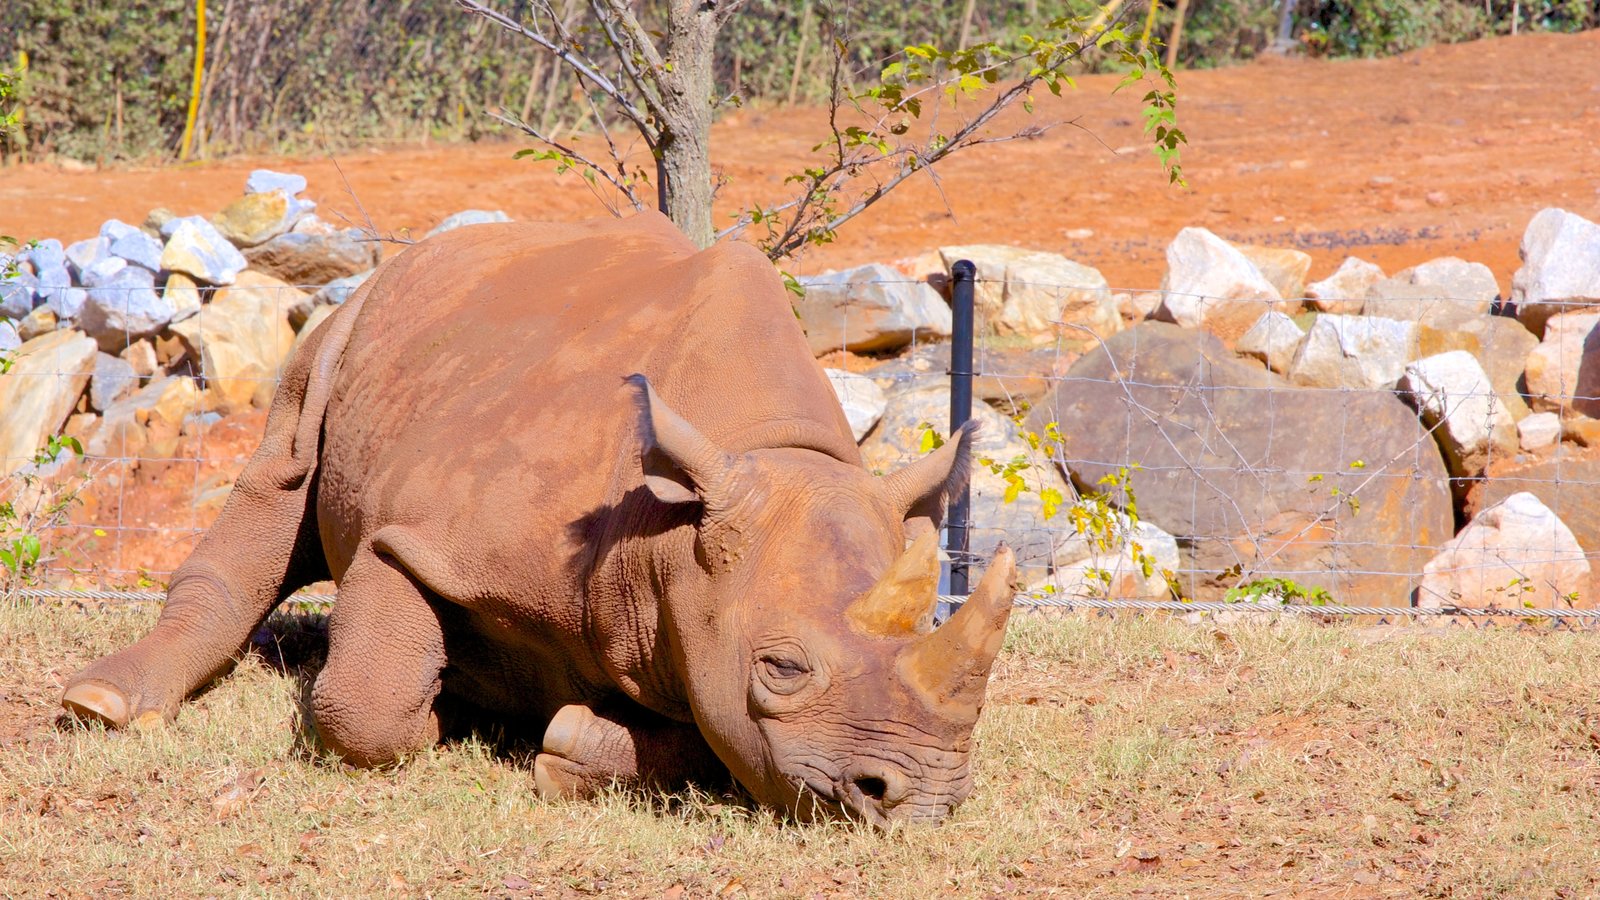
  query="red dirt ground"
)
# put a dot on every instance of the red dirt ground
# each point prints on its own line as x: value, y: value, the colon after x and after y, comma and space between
x: 1447, y: 151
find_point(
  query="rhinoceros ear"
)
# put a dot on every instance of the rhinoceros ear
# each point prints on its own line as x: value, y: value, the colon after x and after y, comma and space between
x: 680, y: 464
x: 921, y: 489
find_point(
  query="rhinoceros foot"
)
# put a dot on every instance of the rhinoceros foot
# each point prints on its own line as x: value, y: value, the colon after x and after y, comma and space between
x: 587, y: 751
x: 92, y: 701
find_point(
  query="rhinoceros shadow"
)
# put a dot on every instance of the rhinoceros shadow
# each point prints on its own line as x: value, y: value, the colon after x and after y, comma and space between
x: 294, y: 643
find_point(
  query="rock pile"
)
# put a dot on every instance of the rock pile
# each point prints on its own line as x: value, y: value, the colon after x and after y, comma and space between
x: 128, y: 338
x: 1416, y: 437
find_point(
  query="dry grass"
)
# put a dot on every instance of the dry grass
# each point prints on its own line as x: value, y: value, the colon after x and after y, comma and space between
x: 1131, y: 757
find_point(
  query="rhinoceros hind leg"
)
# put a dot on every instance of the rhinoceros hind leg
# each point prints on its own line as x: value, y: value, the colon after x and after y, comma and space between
x: 263, y: 547
x: 587, y: 750
x: 373, y: 701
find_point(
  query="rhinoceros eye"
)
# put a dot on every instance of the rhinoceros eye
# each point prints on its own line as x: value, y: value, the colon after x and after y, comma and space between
x: 781, y: 668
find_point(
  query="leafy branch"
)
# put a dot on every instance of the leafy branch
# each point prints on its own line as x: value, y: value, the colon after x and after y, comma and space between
x: 868, y: 128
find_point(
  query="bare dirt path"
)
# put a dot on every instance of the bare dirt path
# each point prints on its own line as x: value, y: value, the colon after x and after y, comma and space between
x: 1449, y: 150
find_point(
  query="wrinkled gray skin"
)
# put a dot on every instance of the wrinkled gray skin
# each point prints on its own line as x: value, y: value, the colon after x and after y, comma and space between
x: 587, y: 475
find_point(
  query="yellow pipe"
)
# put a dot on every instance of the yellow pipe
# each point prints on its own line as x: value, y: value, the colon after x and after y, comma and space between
x: 199, y: 74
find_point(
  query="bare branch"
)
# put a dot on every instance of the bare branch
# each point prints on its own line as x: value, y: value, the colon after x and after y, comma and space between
x: 583, y: 67
x: 648, y: 87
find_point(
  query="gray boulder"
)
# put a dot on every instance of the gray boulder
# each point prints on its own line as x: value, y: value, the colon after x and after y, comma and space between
x: 66, y: 303
x: 261, y: 181
x: 9, y: 338
x: 861, y: 399
x: 1560, y: 268
x: 337, y: 291
x: 872, y: 307
x: 124, y: 309
x: 197, y: 249
x: 314, y: 257
x: 468, y: 217
x: 132, y: 244
x: 1241, y: 466
x: 17, y: 294
x: 113, y: 379
x: 1354, y: 352
x: 103, y: 271
x: 1441, y: 293
x: 45, y: 254
x: 85, y: 253
x: 1567, y: 481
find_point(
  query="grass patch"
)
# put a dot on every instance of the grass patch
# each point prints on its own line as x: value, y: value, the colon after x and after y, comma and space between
x: 1116, y: 757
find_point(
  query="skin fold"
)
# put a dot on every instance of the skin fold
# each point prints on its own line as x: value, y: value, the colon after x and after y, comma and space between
x: 584, y: 474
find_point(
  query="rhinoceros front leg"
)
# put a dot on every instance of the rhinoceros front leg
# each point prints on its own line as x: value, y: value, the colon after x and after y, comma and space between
x: 586, y: 750
x: 373, y: 700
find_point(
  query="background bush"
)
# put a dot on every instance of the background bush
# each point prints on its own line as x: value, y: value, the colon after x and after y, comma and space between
x: 112, y: 80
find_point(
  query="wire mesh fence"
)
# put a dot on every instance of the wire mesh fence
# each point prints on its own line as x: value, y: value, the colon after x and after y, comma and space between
x: 1417, y: 452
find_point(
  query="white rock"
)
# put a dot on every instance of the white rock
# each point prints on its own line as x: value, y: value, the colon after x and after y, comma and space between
x: 47, y: 376
x: 9, y: 339
x: 1456, y: 400
x: 872, y: 307
x: 1283, y: 267
x: 263, y: 180
x: 1514, y: 553
x: 124, y: 308
x: 1538, y: 431
x: 1563, y: 372
x: 85, y: 253
x: 1037, y: 294
x: 1441, y: 293
x: 1354, y: 351
x: 132, y: 244
x: 1345, y: 290
x: 468, y: 217
x: 198, y: 250
x: 1274, y: 339
x: 1210, y: 284
x: 863, y: 401
x: 1560, y: 268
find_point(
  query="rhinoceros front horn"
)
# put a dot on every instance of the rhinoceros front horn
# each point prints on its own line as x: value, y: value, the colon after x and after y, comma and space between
x: 901, y: 603
x: 950, y: 666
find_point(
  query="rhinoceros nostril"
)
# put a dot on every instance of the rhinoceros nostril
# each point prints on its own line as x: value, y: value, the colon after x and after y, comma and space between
x: 872, y: 787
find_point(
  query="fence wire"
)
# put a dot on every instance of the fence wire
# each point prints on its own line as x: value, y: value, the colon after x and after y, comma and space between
x: 1316, y: 462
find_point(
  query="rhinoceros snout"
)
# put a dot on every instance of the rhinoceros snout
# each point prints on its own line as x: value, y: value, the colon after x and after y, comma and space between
x: 880, y: 794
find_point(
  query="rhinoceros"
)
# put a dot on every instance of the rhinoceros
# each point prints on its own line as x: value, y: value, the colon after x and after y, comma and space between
x: 585, y: 474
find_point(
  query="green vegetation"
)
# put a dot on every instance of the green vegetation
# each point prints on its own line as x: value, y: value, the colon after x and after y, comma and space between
x: 107, y: 81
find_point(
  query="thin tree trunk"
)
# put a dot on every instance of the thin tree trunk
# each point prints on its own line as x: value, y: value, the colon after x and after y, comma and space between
x: 966, y: 24
x: 1149, y: 25
x: 683, y: 168
x: 800, y: 52
x: 1177, y: 33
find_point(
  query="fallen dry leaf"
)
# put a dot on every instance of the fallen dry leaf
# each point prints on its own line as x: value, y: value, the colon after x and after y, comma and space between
x: 238, y: 792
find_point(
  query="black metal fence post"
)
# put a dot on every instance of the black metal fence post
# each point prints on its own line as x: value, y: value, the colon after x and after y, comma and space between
x: 958, y: 520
